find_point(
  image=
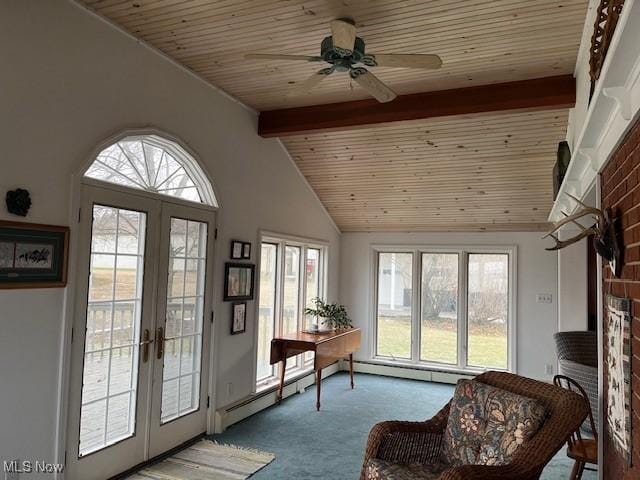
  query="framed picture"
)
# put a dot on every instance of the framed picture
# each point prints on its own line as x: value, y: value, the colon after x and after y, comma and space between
x: 246, y: 250
x: 238, y: 317
x: 237, y: 249
x: 238, y: 281
x: 33, y: 255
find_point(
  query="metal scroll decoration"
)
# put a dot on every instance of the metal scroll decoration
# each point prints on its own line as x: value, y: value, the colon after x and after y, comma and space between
x: 606, y: 21
x: 618, y: 368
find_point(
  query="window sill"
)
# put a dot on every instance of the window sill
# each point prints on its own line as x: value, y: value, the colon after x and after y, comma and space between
x: 293, y: 376
x: 432, y: 367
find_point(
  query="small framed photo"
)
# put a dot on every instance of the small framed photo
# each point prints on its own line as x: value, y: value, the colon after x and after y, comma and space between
x: 238, y: 317
x: 33, y: 255
x: 238, y: 281
x: 246, y: 250
x: 237, y: 249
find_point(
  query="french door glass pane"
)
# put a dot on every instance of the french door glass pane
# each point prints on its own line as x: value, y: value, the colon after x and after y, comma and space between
x: 439, y: 319
x: 488, y: 305
x: 395, y: 280
x: 110, y: 375
x: 184, y: 317
x: 267, y: 306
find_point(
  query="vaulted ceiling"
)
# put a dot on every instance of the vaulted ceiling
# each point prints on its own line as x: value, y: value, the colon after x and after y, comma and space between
x: 478, y: 172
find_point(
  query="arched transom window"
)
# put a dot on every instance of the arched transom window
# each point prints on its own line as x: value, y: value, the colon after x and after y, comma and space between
x: 154, y: 164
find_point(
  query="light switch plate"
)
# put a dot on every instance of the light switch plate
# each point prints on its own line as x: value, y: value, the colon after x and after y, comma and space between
x: 544, y: 298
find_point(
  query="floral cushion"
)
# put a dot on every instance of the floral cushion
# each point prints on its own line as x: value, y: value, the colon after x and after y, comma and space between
x: 487, y: 425
x: 381, y: 470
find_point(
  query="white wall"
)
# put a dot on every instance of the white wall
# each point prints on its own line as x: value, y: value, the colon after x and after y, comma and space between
x: 69, y: 81
x: 577, y: 115
x: 572, y: 287
x: 537, y: 273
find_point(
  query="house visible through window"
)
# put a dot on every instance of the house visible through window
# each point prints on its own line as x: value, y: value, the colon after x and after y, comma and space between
x: 450, y: 308
x: 292, y: 275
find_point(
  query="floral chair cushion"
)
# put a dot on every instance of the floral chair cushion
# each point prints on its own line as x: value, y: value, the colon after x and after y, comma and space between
x: 377, y: 469
x: 487, y: 425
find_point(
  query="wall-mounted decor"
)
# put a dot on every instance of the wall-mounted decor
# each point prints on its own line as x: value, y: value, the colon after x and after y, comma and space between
x: 560, y: 168
x: 246, y: 250
x: 605, y: 233
x: 238, y: 281
x: 606, y: 21
x: 618, y: 368
x: 18, y: 201
x: 240, y: 250
x: 238, y: 317
x: 236, y: 249
x: 33, y: 255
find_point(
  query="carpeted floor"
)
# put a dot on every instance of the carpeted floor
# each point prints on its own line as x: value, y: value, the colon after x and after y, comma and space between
x: 329, y: 444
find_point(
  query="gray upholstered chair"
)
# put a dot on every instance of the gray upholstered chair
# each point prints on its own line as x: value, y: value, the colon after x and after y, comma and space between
x: 578, y: 359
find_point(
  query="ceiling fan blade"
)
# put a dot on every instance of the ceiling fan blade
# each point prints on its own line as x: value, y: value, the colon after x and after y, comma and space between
x: 373, y: 85
x: 405, y: 60
x: 272, y: 56
x: 343, y: 33
x: 310, y: 82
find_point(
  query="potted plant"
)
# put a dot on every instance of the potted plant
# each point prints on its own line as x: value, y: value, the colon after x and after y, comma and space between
x: 332, y: 315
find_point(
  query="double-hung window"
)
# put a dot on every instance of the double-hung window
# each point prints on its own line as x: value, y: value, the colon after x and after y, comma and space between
x: 292, y: 276
x: 446, y: 307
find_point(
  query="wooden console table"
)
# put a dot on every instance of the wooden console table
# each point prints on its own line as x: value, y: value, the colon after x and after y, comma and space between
x: 328, y: 348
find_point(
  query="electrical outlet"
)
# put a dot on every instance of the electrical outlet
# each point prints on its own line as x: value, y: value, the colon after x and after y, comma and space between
x: 549, y: 369
x: 544, y: 298
x: 229, y: 389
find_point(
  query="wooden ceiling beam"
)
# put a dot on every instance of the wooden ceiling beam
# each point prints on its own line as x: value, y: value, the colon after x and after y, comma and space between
x: 540, y: 94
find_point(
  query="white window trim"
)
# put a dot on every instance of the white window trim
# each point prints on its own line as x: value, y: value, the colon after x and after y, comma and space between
x: 462, y: 251
x: 283, y: 240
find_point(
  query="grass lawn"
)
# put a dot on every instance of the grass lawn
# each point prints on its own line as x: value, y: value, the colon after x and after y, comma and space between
x: 439, y: 344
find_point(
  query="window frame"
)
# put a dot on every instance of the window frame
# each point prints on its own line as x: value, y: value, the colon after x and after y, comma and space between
x: 463, y: 252
x: 281, y: 241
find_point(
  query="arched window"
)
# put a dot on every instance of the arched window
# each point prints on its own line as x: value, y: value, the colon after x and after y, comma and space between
x: 153, y: 164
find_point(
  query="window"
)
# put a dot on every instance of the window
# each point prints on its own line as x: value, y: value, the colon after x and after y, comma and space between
x: 445, y: 307
x: 154, y: 164
x: 292, y: 274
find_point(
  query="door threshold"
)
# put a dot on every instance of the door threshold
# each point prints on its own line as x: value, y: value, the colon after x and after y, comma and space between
x: 159, y: 458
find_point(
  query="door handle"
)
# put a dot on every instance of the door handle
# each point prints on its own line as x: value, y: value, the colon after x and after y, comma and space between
x: 146, y: 341
x: 159, y: 342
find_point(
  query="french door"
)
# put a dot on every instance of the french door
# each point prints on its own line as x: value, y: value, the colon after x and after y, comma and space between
x: 141, y: 345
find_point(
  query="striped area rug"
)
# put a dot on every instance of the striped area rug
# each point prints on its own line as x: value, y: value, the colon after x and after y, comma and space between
x: 207, y: 460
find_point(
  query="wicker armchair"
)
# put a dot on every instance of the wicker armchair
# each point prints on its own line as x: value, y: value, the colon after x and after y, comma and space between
x: 420, y: 442
x: 578, y: 360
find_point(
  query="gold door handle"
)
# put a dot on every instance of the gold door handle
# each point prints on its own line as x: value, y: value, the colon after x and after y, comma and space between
x: 146, y: 341
x: 159, y: 342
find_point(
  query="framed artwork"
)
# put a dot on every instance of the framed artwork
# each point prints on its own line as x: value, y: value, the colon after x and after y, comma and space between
x: 246, y: 250
x: 238, y: 317
x: 33, y: 255
x: 238, y: 281
x: 237, y: 249
x: 618, y: 373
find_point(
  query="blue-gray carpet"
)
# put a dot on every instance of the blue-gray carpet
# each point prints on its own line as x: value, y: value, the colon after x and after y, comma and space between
x: 329, y: 444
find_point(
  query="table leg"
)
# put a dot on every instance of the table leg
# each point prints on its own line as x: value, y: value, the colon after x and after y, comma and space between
x: 283, y: 368
x: 351, y: 368
x: 318, y: 385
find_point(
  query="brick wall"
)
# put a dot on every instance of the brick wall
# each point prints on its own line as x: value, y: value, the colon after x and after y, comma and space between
x: 621, y: 191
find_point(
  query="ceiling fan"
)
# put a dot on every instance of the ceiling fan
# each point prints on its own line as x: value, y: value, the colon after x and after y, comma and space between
x: 344, y: 51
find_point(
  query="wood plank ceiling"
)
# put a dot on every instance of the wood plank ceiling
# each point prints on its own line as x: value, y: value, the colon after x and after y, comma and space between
x: 484, y: 172
x: 464, y: 173
x: 480, y: 41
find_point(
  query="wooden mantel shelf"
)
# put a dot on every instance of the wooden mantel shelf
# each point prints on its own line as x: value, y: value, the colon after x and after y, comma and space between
x: 613, y: 108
